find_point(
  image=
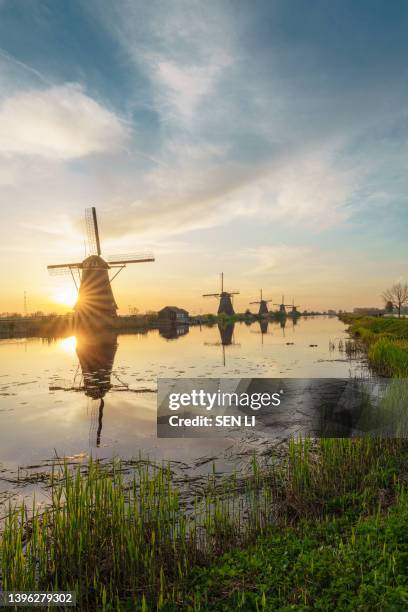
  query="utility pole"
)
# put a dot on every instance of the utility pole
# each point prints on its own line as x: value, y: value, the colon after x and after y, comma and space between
x: 25, y: 303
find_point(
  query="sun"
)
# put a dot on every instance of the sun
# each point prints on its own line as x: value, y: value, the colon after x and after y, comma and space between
x: 66, y: 295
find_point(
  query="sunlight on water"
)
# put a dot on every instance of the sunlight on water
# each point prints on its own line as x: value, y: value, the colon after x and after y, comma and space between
x: 68, y: 344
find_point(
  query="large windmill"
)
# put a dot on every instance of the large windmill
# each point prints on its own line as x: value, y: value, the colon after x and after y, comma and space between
x: 225, y: 306
x: 263, y: 306
x: 95, y: 303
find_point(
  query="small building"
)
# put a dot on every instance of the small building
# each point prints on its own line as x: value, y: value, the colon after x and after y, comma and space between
x: 173, y: 314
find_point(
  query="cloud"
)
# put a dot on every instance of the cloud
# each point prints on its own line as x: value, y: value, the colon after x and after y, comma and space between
x: 60, y: 122
x: 183, y: 87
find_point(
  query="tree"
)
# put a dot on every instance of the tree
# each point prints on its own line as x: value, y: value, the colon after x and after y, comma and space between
x: 398, y: 295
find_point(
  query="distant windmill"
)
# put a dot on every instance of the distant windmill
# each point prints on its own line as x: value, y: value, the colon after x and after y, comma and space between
x: 282, y: 306
x: 225, y: 306
x: 263, y: 305
x: 294, y: 309
x: 96, y: 303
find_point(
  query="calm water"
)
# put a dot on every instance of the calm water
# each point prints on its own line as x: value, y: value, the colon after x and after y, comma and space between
x: 76, y: 396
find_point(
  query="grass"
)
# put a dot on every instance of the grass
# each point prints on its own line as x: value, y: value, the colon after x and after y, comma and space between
x: 138, y: 544
x: 330, y: 565
x: 385, y: 340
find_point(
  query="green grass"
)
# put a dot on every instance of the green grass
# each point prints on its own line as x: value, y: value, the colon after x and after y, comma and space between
x: 385, y: 340
x: 330, y: 565
x: 136, y: 543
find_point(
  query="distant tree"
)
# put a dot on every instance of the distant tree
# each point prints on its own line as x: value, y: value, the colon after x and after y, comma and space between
x: 397, y: 295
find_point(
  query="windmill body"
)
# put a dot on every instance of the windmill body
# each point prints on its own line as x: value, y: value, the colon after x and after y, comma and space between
x: 225, y: 306
x: 293, y: 308
x: 282, y: 307
x: 263, y: 306
x: 96, y: 305
x: 95, y: 291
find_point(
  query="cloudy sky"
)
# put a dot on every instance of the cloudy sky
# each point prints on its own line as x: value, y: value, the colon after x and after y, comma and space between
x: 267, y: 139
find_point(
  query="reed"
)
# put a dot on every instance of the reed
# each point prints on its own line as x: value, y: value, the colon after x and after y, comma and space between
x: 386, y: 343
x: 120, y: 540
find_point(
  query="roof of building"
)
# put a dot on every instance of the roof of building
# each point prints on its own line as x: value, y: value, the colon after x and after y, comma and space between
x: 173, y: 309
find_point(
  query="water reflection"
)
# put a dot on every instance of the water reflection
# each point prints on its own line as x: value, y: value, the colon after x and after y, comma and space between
x: 226, y: 332
x: 48, y: 389
x: 172, y: 331
x: 96, y: 354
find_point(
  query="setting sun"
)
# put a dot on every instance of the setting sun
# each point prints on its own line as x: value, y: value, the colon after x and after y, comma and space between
x: 65, y: 295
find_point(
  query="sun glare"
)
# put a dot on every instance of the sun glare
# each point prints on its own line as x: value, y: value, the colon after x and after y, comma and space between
x: 68, y: 344
x: 66, y: 295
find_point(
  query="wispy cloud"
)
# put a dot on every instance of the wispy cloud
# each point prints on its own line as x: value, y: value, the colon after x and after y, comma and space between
x: 59, y: 122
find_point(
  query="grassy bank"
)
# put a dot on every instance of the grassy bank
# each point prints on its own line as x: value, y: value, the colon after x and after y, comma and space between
x: 275, y: 539
x: 385, y: 340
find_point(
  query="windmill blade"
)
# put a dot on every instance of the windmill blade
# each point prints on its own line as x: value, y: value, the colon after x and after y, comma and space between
x: 254, y: 302
x: 233, y: 292
x: 92, y: 231
x: 130, y: 258
x: 59, y: 271
x: 62, y: 269
x: 211, y: 295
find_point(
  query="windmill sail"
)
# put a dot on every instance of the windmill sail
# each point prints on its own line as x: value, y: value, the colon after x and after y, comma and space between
x: 92, y: 231
x: 129, y: 258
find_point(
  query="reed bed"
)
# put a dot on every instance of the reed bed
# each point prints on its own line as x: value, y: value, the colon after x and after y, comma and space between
x: 134, y: 542
x: 385, y: 340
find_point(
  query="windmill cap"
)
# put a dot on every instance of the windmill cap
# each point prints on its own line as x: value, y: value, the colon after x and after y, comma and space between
x: 94, y: 261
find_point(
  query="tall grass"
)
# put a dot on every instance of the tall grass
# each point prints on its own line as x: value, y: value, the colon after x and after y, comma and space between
x: 134, y: 542
x: 386, y: 343
x: 389, y: 357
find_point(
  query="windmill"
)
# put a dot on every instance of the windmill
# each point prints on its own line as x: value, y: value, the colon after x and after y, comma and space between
x: 95, y: 303
x: 263, y: 306
x: 282, y: 307
x: 225, y: 306
x: 294, y: 309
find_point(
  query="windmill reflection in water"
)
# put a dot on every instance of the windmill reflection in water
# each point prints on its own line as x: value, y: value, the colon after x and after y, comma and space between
x: 96, y: 354
x: 226, y: 337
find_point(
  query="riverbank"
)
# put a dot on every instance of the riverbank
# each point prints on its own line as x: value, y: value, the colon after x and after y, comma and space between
x: 385, y: 340
x: 55, y: 326
x: 324, y: 528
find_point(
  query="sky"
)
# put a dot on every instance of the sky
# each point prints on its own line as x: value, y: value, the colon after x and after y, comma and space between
x: 265, y: 139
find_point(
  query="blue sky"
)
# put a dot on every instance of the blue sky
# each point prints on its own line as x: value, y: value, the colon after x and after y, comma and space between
x: 265, y: 139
